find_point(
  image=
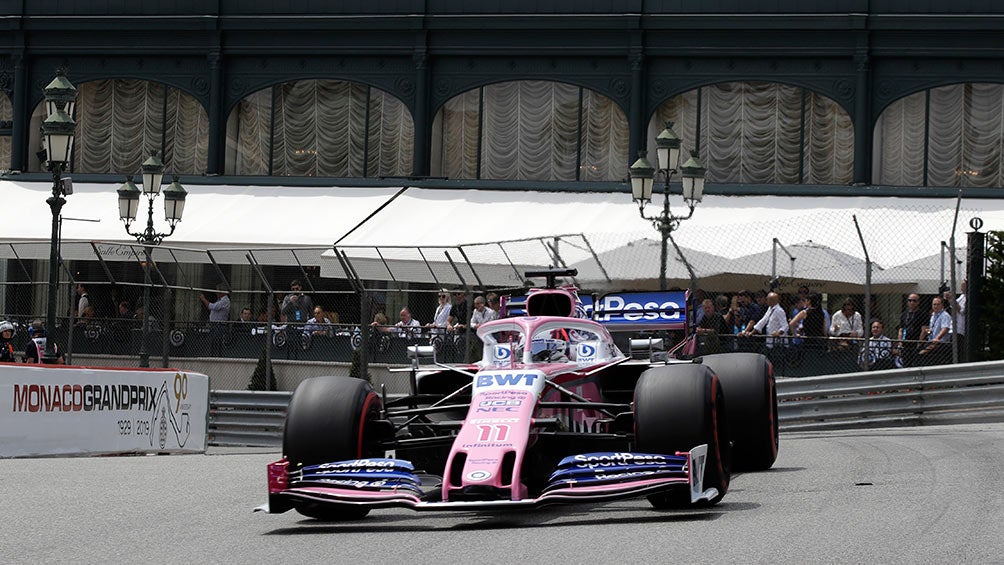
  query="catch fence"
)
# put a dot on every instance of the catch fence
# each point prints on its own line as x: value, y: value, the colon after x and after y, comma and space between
x: 872, y: 256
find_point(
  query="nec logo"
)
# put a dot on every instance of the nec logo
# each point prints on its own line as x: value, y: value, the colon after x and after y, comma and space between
x: 503, y: 379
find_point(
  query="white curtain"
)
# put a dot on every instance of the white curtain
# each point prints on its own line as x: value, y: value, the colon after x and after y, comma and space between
x: 965, y: 137
x: 119, y: 122
x: 254, y: 117
x: 750, y: 133
x: 899, y: 141
x: 321, y: 130
x: 531, y: 131
x: 457, y: 152
x: 829, y: 142
x: 605, y: 139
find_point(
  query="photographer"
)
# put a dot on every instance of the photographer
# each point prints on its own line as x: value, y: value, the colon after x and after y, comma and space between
x: 297, y: 307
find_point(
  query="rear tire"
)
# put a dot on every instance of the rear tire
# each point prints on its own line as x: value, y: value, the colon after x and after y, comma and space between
x: 677, y: 408
x: 327, y: 421
x: 748, y: 380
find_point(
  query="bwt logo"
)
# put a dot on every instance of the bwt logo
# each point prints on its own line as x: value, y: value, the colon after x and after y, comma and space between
x: 512, y: 379
x: 502, y: 352
x: 645, y: 311
x: 586, y: 350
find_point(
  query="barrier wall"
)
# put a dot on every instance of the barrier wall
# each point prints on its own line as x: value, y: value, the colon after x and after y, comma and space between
x: 70, y: 410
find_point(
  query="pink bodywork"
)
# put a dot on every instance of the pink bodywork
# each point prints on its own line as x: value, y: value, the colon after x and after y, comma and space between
x: 500, y: 419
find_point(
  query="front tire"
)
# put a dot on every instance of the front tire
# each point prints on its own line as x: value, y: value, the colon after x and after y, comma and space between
x: 677, y: 408
x: 327, y: 420
x: 748, y: 380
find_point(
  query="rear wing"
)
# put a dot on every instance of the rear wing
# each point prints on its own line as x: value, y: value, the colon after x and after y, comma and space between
x: 619, y: 311
x: 639, y: 311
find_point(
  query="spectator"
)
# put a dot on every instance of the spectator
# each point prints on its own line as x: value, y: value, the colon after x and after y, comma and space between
x: 710, y: 329
x: 34, y: 350
x: 797, y: 320
x: 493, y: 303
x: 847, y: 323
x: 124, y: 310
x: 407, y: 326
x: 380, y: 322
x: 958, y: 314
x: 246, y: 321
x: 938, y: 335
x: 296, y: 306
x: 458, y: 314
x: 219, y: 315
x: 911, y: 323
x: 773, y: 323
x: 801, y: 301
x: 442, y: 316
x: 745, y: 313
x: 319, y: 325
x: 83, y: 302
x: 482, y: 313
x: 86, y: 316
x: 810, y: 323
x: 880, y: 354
x: 6, y: 347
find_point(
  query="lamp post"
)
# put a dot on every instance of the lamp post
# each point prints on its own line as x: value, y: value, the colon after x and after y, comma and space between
x: 174, y: 206
x: 643, y: 177
x: 57, y: 131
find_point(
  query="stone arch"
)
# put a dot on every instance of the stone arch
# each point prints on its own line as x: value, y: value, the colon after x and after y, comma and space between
x: 320, y: 127
x: 762, y: 133
x: 121, y: 120
x: 948, y: 135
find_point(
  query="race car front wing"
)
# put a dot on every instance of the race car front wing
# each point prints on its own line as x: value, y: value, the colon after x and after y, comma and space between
x: 387, y: 483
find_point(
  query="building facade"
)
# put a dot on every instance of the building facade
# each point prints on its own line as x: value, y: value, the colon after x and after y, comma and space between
x: 769, y: 93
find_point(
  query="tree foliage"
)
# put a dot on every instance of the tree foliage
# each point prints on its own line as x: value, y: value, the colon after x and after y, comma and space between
x: 993, y: 296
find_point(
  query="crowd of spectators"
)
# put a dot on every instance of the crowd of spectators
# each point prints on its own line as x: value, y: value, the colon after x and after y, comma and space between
x: 785, y: 327
x: 750, y: 321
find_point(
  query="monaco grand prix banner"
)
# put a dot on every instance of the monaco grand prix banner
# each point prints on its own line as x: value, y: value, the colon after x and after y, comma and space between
x: 91, y: 410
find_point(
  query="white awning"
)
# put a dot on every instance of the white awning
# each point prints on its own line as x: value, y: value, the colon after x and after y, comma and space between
x: 500, y: 232
x: 216, y: 217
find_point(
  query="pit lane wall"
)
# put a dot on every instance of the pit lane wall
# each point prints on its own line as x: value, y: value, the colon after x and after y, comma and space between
x: 69, y: 410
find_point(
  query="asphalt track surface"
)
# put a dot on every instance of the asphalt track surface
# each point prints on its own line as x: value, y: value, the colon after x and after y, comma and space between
x: 898, y: 495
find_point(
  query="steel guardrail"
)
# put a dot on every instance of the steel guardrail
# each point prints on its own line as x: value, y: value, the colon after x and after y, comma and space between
x: 965, y: 393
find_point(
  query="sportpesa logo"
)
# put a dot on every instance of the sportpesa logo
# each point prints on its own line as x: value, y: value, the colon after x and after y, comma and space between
x: 597, y: 460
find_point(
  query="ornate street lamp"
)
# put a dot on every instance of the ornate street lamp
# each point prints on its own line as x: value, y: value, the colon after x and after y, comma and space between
x: 643, y: 177
x: 174, y: 206
x: 57, y: 131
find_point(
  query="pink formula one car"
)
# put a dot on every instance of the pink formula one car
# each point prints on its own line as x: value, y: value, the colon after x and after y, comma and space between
x: 554, y: 413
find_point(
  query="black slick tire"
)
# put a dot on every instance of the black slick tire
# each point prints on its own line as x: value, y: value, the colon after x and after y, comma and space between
x: 748, y: 380
x: 327, y: 421
x: 678, y: 407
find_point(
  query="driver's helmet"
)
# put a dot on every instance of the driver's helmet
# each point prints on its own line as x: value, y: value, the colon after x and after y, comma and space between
x: 548, y: 349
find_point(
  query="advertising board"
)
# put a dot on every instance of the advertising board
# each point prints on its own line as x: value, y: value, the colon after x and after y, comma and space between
x: 68, y: 410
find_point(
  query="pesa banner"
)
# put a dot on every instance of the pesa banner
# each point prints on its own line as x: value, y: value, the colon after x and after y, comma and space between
x: 91, y: 411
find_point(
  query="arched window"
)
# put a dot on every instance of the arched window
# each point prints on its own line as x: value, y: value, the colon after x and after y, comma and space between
x: 530, y: 130
x: 6, y: 122
x: 756, y: 132
x: 320, y: 128
x: 946, y: 136
x: 120, y: 121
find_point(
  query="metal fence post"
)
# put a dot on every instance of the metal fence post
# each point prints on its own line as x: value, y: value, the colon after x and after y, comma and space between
x: 975, y: 271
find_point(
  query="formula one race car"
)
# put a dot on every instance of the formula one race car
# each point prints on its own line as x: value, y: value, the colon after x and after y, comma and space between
x: 553, y: 413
